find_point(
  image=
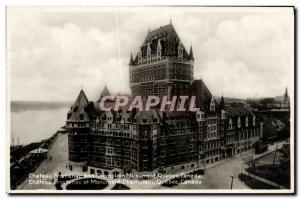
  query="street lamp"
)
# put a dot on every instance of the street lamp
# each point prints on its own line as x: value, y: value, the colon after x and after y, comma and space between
x: 242, y: 167
x: 275, y: 155
x: 231, y: 182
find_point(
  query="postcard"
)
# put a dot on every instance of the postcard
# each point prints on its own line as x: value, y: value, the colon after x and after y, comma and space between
x: 157, y: 99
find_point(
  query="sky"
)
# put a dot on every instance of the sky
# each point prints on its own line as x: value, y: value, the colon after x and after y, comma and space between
x: 53, y: 52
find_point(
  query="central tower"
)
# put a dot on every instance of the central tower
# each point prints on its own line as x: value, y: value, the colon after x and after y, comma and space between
x: 162, y: 65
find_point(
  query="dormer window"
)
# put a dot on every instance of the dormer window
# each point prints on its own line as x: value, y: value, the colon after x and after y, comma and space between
x: 239, y: 122
x: 148, y: 53
x: 158, y: 53
x: 140, y: 57
x: 230, y: 123
x: 81, y: 116
x: 212, y: 104
x: 223, y: 114
x: 199, y: 116
x: 180, y: 51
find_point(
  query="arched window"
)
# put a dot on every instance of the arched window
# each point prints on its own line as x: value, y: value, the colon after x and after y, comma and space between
x: 159, y: 48
x: 223, y: 115
x: 212, y: 104
x: 148, y: 53
x: 180, y: 51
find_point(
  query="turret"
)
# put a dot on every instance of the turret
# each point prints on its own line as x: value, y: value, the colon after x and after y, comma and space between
x: 180, y: 51
x: 131, y: 60
x: 191, y: 55
x: 104, y: 92
x: 222, y: 103
x: 286, y: 92
x: 222, y: 108
x: 159, y: 48
x: 148, y: 53
x: 78, y: 128
x: 212, y: 104
x: 286, y: 100
x: 160, y: 44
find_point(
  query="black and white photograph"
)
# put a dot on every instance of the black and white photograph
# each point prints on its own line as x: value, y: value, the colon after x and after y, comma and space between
x: 150, y: 99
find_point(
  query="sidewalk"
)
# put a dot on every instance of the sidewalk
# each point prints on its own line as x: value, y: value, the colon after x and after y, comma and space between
x: 49, y: 167
x: 217, y: 175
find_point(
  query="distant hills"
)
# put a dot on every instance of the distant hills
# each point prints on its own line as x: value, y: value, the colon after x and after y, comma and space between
x: 229, y: 100
x: 18, y: 106
x: 279, y: 98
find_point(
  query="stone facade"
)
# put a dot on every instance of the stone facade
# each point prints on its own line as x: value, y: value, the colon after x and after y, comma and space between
x: 115, y: 142
x: 162, y: 65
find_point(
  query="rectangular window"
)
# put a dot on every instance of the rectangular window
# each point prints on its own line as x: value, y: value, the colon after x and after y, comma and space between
x: 81, y: 116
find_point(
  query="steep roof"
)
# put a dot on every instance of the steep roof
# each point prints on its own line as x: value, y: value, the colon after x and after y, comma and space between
x: 286, y: 93
x: 222, y: 103
x: 78, y: 108
x: 191, y: 53
x: 146, y: 115
x: 203, y: 95
x: 105, y: 92
x: 166, y: 31
x: 286, y: 97
x: 81, y: 99
x: 168, y: 37
x: 131, y: 59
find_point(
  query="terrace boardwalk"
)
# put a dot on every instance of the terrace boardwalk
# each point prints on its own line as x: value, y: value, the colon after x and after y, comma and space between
x: 52, y: 165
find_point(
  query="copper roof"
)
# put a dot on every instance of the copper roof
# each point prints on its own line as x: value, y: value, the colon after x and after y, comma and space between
x: 168, y: 34
x: 78, y: 108
x: 203, y: 95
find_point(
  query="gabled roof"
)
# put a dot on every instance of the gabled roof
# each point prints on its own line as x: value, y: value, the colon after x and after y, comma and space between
x: 78, y: 108
x: 81, y: 99
x: 167, y: 31
x: 286, y: 97
x: 286, y: 93
x: 222, y: 103
x: 167, y: 34
x: 105, y: 92
x: 131, y: 59
x: 191, y: 53
x: 203, y: 95
x: 146, y: 115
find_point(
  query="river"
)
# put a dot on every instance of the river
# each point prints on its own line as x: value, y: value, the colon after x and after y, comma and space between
x: 32, y: 125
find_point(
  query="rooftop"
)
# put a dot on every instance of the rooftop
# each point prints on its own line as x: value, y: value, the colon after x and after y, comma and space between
x: 78, y: 109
